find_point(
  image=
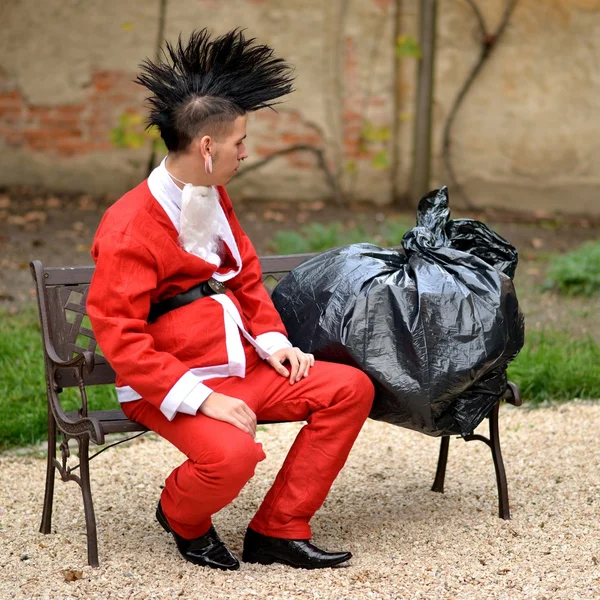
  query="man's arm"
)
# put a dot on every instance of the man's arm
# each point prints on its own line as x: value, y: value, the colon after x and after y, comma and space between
x: 118, y: 304
x: 248, y: 288
x: 258, y: 308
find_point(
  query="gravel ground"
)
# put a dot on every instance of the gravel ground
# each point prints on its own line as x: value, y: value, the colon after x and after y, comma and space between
x: 408, y: 542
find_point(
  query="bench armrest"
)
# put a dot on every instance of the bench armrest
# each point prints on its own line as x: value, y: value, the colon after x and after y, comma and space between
x: 512, y: 395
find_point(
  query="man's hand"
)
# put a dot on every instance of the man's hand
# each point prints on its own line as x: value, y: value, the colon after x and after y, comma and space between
x: 231, y: 410
x: 300, y: 363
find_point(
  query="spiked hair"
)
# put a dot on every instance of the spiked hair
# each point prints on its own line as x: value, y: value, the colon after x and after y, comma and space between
x: 206, y: 84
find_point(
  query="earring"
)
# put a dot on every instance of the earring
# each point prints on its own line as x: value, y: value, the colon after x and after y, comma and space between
x: 208, y: 164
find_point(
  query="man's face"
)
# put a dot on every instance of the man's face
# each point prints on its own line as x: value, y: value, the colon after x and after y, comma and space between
x: 228, y: 151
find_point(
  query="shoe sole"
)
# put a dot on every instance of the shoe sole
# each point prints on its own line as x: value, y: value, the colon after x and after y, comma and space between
x: 264, y: 559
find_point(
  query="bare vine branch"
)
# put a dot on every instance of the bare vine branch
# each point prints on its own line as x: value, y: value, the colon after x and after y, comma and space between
x: 488, y: 43
x: 331, y: 179
x: 374, y: 55
x: 478, y: 16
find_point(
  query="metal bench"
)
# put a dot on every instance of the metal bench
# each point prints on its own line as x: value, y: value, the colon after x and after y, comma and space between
x: 73, y: 359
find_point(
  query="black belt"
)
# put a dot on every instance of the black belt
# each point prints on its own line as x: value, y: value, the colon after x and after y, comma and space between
x: 206, y: 288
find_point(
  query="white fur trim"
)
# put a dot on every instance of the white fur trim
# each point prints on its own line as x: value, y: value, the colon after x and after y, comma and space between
x: 272, y: 342
x: 167, y: 193
x: 127, y: 394
x: 177, y: 394
x: 231, y: 310
x: 194, y: 400
x: 192, y: 381
x: 235, y: 349
x: 227, y: 236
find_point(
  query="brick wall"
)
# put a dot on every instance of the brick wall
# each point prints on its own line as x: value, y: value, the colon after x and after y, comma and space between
x: 68, y: 129
x: 523, y: 138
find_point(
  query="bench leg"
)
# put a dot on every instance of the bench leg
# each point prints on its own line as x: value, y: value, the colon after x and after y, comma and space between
x: 440, y: 474
x: 503, y: 507
x: 46, y: 524
x: 88, y: 505
x: 494, y: 444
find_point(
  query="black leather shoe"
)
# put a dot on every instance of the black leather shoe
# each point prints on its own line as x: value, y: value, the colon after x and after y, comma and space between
x: 207, y: 550
x: 266, y: 550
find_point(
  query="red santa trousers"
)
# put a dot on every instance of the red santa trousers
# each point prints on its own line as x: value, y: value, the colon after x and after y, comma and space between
x: 334, y: 399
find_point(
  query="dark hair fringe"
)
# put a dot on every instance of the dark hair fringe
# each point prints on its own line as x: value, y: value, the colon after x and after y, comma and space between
x: 230, y: 68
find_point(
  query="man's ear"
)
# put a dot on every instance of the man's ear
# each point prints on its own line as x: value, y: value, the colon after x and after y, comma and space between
x: 205, y: 146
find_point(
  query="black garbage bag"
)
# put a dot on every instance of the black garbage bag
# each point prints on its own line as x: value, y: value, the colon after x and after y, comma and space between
x: 434, y: 326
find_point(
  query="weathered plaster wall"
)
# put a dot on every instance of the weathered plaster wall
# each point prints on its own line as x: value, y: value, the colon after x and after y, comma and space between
x: 527, y: 132
x: 525, y: 137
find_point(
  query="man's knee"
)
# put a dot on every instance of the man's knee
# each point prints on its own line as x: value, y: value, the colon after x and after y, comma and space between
x: 234, y: 459
x: 355, y: 388
x: 364, y: 389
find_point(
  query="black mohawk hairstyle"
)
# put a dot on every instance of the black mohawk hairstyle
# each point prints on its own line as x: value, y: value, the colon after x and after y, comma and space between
x: 210, y: 82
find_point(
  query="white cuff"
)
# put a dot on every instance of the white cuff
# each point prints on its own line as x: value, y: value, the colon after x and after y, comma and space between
x: 194, y: 400
x: 272, y: 342
x: 178, y: 393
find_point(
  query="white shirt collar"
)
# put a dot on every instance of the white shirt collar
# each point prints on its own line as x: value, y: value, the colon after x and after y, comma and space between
x: 167, y: 193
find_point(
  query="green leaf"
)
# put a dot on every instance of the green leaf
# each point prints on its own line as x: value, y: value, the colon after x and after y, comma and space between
x: 373, y: 133
x: 381, y: 160
x: 130, y: 132
x: 408, y: 47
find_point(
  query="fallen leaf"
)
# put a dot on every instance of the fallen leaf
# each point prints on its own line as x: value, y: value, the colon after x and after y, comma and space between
x: 83, y: 247
x: 532, y: 271
x: 16, y: 220
x: 273, y: 215
x: 35, y: 215
x: 4, y: 201
x: 53, y: 202
x: 87, y: 203
x: 71, y: 575
x: 537, y: 243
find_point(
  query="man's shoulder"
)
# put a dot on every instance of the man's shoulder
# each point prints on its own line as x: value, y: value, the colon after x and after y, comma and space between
x: 131, y: 204
x: 137, y: 209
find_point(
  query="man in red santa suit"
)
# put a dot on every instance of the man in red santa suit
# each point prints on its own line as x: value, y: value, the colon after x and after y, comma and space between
x: 180, y: 312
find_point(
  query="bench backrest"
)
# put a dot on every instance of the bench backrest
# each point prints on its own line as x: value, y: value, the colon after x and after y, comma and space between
x: 66, y: 328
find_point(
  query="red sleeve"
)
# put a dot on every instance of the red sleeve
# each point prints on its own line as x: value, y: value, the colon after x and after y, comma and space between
x: 118, y: 304
x: 247, y: 285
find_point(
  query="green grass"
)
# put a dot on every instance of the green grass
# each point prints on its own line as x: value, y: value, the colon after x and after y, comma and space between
x: 551, y: 366
x: 23, y: 414
x: 578, y: 272
x: 317, y: 237
x: 554, y: 366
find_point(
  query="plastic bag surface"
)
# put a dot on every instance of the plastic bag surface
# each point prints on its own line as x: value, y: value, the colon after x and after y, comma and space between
x: 434, y: 327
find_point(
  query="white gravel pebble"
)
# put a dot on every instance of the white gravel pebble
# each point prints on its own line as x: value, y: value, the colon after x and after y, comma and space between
x: 407, y: 541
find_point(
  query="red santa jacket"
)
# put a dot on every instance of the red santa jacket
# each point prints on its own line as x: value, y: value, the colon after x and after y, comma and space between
x: 138, y: 262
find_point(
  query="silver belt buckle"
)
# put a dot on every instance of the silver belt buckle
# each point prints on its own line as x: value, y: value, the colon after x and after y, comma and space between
x: 216, y: 286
